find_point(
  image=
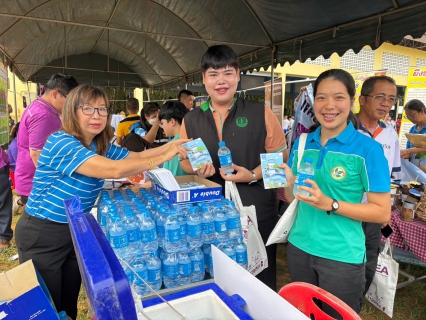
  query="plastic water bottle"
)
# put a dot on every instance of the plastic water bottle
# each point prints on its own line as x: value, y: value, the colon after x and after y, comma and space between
x: 225, y: 159
x: 241, y: 252
x: 161, y: 232
x: 118, y: 236
x: 305, y: 171
x: 173, y: 233
x: 234, y: 221
x: 197, y: 259
x: 148, y: 234
x: 132, y: 227
x: 153, y: 265
x: 221, y: 223
x: 207, y: 224
x: 185, y: 266
x: 63, y: 316
x: 182, y: 217
x: 229, y: 250
x: 139, y: 266
x: 193, y: 223
x: 170, y: 270
x: 211, y: 269
x: 206, y: 251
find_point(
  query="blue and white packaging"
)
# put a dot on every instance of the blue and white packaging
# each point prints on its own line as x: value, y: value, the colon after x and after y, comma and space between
x: 212, y: 191
x: 273, y: 177
x: 198, y: 154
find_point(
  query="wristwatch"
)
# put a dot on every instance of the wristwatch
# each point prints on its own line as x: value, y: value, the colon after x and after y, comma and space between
x: 334, y: 206
x: 254, y: 177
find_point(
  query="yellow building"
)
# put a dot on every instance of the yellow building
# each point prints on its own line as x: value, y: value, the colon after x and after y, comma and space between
x: 19, y: 95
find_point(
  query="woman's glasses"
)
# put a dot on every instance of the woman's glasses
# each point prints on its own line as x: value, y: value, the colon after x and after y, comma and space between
x: 88, y: 110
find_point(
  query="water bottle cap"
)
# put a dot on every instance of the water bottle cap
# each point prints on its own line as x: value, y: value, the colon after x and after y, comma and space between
x: 222, y: 144
x: 309, y: 160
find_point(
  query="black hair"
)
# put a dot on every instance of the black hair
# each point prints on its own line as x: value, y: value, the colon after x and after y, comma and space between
x: 218, y: 57
x: 14, y: 132
x: 132, y: 104
x: 369, y: 83
x: 173, y: 110
x: 134, y: 142
x: 416, y: 105
x: 184, y: 94
x: 347, y: 80
x: 149, y: 109
x: 61, y: 82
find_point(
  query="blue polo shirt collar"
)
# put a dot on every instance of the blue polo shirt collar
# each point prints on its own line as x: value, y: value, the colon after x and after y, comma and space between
x: 344, y: 137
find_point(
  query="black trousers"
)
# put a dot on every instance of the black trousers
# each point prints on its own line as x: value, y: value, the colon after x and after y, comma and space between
x: 5, y: 205
x: 50, y: 246
x: 269, y: 275
x: 372, y: 248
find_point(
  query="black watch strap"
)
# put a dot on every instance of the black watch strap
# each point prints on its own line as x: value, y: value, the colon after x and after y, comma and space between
x: 334, y: 206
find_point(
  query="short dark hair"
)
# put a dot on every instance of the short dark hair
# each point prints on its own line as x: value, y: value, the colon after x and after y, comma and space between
x: 134, y: 142
x: 184, y: 94
x: 218, y: 57
x: 344, y: 78
x: 132, y: 104
x: 14, y: 132
x: 415, y: 105
x: 149, y: 109
x: 173, y: 110
x: 62, y: 82
x: 369, y: 83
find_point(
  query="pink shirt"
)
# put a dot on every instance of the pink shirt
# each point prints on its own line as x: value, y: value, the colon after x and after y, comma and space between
x: 4, y: 159
x: 39, y: 120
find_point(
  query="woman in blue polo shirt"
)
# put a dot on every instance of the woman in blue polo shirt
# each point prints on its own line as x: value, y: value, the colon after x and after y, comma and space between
x: 74, y: 161
x: 326, y: 244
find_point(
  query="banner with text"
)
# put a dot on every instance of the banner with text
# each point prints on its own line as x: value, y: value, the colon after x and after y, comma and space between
x: 416, y: 89
x: 359, y: 78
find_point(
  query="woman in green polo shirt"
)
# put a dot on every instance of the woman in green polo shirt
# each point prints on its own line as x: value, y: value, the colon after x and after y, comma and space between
x: 327, y: 244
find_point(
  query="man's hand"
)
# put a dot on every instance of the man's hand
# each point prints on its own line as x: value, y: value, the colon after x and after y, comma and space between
x: 207, y: 170
x: 242, y: 175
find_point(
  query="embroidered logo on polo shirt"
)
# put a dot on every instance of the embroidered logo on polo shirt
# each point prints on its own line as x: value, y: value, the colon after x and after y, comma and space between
x: 338, y: 173
x: 242, y: 122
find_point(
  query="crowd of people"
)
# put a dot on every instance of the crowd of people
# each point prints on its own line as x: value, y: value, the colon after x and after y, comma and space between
x: 69, y: 141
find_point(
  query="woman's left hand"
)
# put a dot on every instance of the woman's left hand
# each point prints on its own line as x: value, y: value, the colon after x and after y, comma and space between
x: 405, y: 153
x: 317, y: 199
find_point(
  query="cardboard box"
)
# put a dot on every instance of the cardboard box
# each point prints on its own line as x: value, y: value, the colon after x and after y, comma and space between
x: 24, y: 295
x: 211, y: 192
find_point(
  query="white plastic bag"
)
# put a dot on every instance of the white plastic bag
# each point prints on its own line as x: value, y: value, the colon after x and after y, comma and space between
x: 410, y: 172
x: 282, y: 229
x: 256, y: 252
x: 382, y: 290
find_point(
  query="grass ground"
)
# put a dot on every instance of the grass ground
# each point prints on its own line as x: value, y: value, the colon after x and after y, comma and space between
x: 409, y: 301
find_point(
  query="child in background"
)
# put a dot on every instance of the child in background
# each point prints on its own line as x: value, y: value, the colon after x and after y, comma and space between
x: 171, y: 115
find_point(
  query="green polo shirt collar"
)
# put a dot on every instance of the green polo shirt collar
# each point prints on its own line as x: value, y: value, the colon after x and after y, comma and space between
x: 207, y: 105
x: 343, y: 137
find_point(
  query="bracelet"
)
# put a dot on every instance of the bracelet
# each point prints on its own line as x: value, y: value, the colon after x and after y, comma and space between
x: 151, y: 163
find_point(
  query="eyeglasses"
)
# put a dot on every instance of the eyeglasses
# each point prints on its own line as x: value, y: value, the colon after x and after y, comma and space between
x: 88, y: 110
x: 411, y: 116
x: 382, y: 98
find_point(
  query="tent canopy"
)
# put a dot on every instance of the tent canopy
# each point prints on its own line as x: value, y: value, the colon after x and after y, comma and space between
x: 159, y: 43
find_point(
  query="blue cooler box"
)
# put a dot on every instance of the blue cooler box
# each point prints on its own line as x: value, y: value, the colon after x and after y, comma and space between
x: 106, y: 284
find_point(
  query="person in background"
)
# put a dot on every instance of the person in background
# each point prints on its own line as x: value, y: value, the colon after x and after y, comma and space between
x: 187, y: 98
x: 326, y: 245
x: 378, y: 95
x: 171, y: 116
x: 11, y: 121
x: 41, y: 118
x: 115, y: 120
x: 149, y: 126
x: 415, y: 111
x: 74, y: 161
x: 124, y: 125
x: 290, y: 123
x: 249, y: 128
x: 6, y: 232
x: 398, y: 123
x: 12, y: 150
x: 285, y: 124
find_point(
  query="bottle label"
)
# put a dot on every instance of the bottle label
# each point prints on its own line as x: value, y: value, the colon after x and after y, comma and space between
x: 185, y: 269
x: 225, y: 160
x: 144, y: 275
x: 233, y: 256
x: 242, y: 257
x: 133, y: 235
x: 183, y: 230
x: 198, y: 266
x: 154, y: 275
x: 234, y: 223
x: 118, y: 242
x: 194, y: 230
x: 171, y: 271
x: 302, y: 177
x: 161, y: 231
x: 208, y: 227
x: 173, y: 235
x: 103, y: 220
x: 148, y: 236
x: 221, y: 226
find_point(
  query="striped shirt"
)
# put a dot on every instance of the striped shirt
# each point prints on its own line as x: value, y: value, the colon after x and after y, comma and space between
x: 55, y: 179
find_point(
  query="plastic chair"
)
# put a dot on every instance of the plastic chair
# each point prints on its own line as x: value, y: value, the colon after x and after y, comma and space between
x: 301, y: 295
x: 12, y: 177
